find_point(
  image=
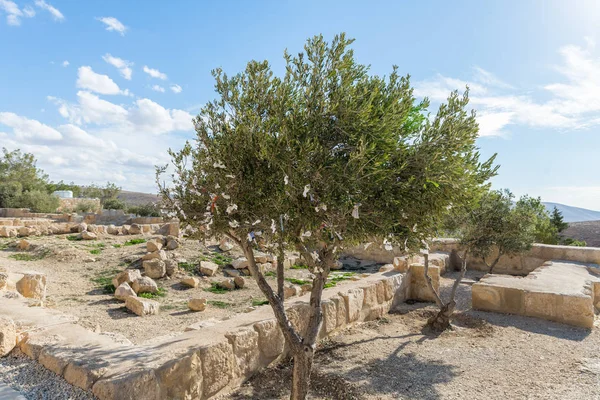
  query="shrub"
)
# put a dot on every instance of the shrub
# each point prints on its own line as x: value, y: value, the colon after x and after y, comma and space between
x: 145, y: 210
x: 86, y: 206
x: 38, y: 201
x: 574, y: 242
x: 113, y: 204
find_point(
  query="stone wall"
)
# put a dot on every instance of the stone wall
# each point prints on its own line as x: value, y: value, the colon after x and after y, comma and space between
x: 197, y: 364
x: 70, y: 205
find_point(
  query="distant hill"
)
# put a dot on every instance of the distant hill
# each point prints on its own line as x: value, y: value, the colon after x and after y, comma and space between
x: 574, y: 214
x: 137, y: 198
x: 588, y: 231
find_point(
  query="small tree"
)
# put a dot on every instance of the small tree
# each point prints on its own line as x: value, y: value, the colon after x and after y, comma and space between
x: 324, y: 157
x: 556, y: 218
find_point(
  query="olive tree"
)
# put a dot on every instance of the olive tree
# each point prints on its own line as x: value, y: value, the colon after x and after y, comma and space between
x: 323, y: 157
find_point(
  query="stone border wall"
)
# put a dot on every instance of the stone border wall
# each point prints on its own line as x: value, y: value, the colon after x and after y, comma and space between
x: 200, y: 364
x: 510, y: 265
x: 42, y: 227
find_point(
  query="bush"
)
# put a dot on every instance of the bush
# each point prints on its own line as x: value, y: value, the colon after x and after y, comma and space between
x: 145, y: 210
x: 574, y: 242
x: 38, y: 201
x: 86, y: 206
x: 113, y: 204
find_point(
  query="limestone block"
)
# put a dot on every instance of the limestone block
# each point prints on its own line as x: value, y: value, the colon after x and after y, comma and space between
x: 135, y: 229
x: 227, y: 284
x: 3, y: 280
x: 370, y: 296
x: 128, y: 276
x: 380, y: 291
x: 240, y: 263
x: 83, y: 373
x: 208, y: 268
x: 141, y: 306
x: 54, y: 359
x: 181, y: 378
x: 8, y: 335
x: 270, y: 340
x: 113, y: 230
x: 144, y: 285
x: 400, y: 264
x: 170, y: 267
x: 172, y: 244
x: 132, y: 385
x: 197, y: 304
x: 225, y: 245
x: 217, y: 367
x: 32, y: 285
x: 190, y: 281
x: 154, y: 245
x: 85, y: 235
x: 354, y: 301
x: 123, y: 291
x: 290, y: 290
x: 239, y: 282
x: 157, y: 255
x: 386, y: 268
x: 341, y: 311
x: 155, y: 268
x: 329, y: 309
x: 32, y: 345
x: 418, y: 286
x: 299, y: 314
x: 246, y: 353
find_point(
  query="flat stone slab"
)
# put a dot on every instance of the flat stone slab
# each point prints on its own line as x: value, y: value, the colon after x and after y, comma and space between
x: 560, y: 291
x: 7, y: 393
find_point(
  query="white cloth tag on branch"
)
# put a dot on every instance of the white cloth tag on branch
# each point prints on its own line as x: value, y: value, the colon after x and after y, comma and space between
x: 219, y: 164
x: 231, y: 208
x: 355, y: 211
x: 306, y: 190
x: 286, y: 180
x: 234, y: 224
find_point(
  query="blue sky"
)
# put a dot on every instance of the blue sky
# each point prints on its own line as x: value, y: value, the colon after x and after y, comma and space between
x: 97, y: 90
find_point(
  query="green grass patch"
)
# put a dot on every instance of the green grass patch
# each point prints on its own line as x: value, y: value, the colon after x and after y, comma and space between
x: 259, y: 302
x: 133, y: 242
x: 116, y: 246
x: 219, y: 304
x: 3, y: 245
x: 337, y: 277
x: 271, y: 273
x: 28, y: 257
x: 214, y: 288
x: 299, y: 266
x: 74, y: 238
x: 218, y: 259
x: 160, y: 293
x: 297, y: 281
x: 95, y: 251
x: 188, y: 266
x: 103, y: 280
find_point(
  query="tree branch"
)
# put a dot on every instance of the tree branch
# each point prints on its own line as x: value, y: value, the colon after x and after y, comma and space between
x: 438, y: 299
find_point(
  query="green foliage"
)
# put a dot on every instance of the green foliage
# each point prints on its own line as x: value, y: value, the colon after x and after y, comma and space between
x: 574, y: 242
x: 299, y: 266
x: 188, y: 267
x: 215, y: 288
x: 103, y: 280
x: 86, y: 206
x: 494, y: 224
x: 133, y: 242
x: 145, y: 210
x: 38, y: 201
x: 113, y: 204
x: 556, y: 218
x: 95, y: 251
x: 104, y: 193
x: 74, y: 238
x: 271, y: 274
x: 218, y: 259
x: 219, y: 304
x: 52, y: 187
x: 545, y: 231
x: 116, y: 245
x: 159, y: 293
x: 338, y: 277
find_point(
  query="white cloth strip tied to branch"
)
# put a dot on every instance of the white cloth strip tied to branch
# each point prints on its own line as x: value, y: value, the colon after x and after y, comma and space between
x: 234, y: 224
x: 306, y: 190
x: 355, y: 211
x: 231, y: 208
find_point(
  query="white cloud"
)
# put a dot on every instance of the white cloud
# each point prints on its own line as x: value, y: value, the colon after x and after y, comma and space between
x: 65, y: 63
x: 28, y: 129
x: 573, y: 103
x: 102, y: 84
x: 57, y: 15
x: 13, y: 13
x: 176, y: 88
x: 123, y: 66
x: 154, y: 73
x: 158, y: 88
x: 113, y: 24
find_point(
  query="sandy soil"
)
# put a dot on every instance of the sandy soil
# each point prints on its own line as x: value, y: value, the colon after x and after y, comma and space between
x: 76, y: 279
x: 487, y: 356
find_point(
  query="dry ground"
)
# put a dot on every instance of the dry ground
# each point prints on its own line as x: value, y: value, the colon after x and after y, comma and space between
x: 76, y: 280
x: 487, y: 356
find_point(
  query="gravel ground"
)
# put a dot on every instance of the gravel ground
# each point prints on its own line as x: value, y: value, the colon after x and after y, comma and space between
x: 35, y: 382
x: 487, y: 356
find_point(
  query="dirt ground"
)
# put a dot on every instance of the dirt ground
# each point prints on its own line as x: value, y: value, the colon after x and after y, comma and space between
x: 487, y: 356
x: 76, y: 280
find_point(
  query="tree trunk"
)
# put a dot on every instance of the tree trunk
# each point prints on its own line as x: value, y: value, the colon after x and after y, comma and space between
x: 494, y: 263
x: 303, y: 361
x: 441, y: 321
x: 280, y: 269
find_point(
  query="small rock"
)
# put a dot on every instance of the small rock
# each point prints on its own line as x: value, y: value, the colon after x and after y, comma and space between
x: 231, y: 272
x: 156, y: 255
x: 227, y: 284
x: 249, y: 309
x: 141, y: 306
x: 262, y: 258
x: 225, y: 245
x: 154, y: 245
x: 190, y: 281
x: 82, y: 227
x: 239, y: 282
x: 32, y: 285
x: 208, y: 268
x: 124, y: 291
x: 85, y: 235
x: 172, y: 244
x: 307, y: 287
x: 23, y: 244
x: 134, y: 229
x: 290, y: 291
x: 129, y: 276
x: 171, y: 267
x: 8, y: 335
x: 3, y: 280
x: 197, y: 304
x: 144, y: 285
x: 240, y: 263
x: 386, y: 268
x: 89, y: 260
x: 155, y: 269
